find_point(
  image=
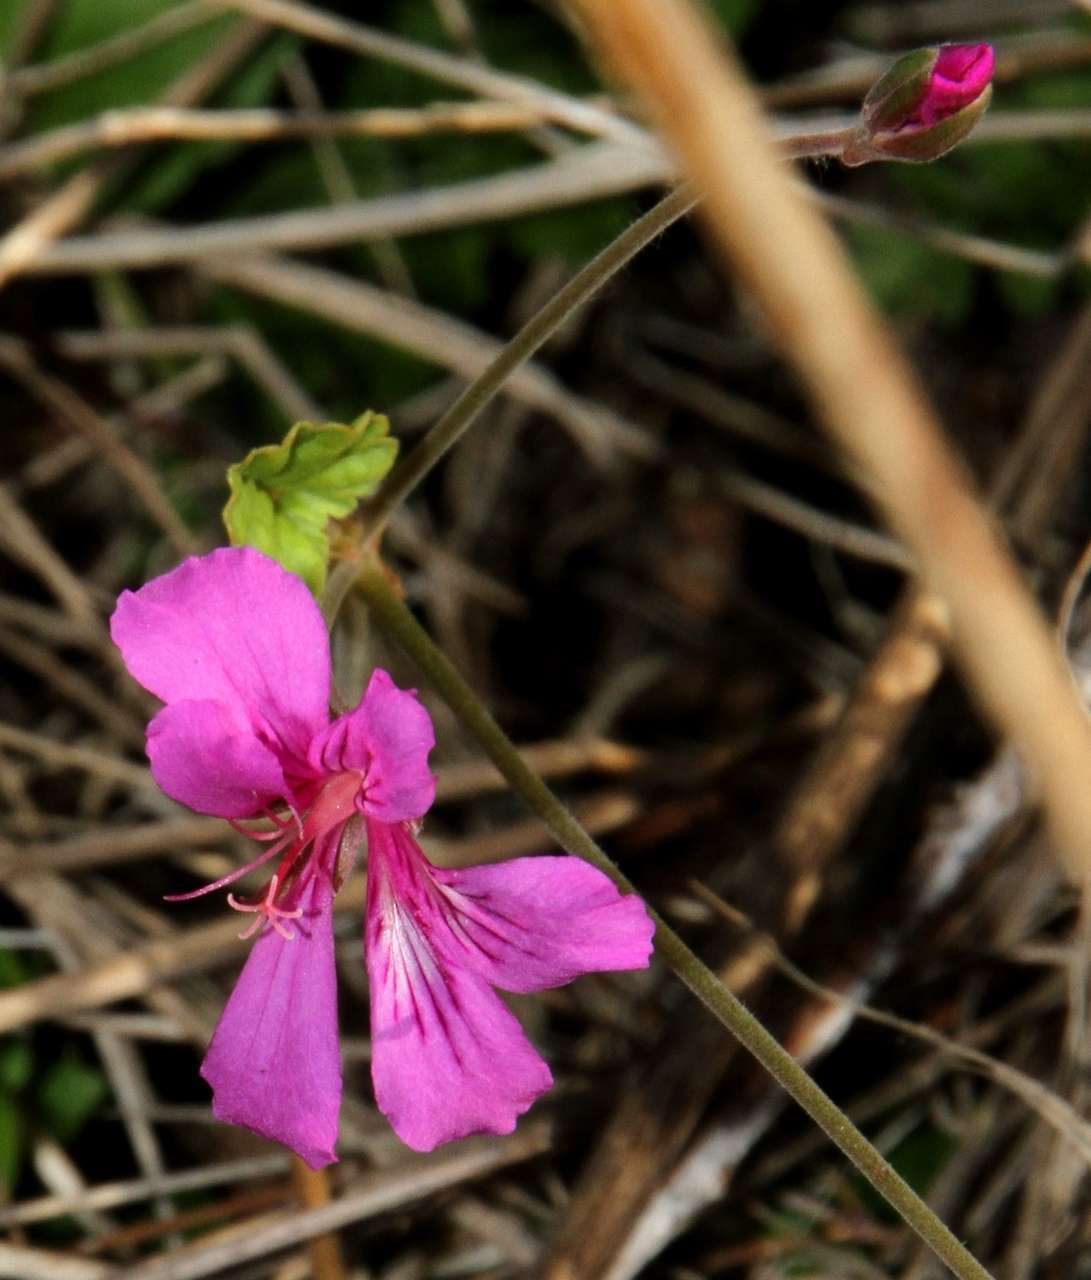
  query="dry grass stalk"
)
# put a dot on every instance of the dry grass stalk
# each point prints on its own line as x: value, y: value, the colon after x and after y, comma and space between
x: 125, y: 128
x: 864, y: 391
x: 314, y: 1191
x: 465, y: 73
x: 380, y: 1192
x: 67, y: 206
x: 364, y: 307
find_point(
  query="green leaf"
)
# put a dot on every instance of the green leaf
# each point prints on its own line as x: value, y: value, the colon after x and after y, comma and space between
x: 736, y: 15
x: 11, y: 1143
x: 920, y: 1158
x: 137, y: 80
x: 176, y: 168
x: 16, y: 1063
x: 69, y: 1092
x: 284, y: 495
x: 911, y: 279
x: 13, y: 969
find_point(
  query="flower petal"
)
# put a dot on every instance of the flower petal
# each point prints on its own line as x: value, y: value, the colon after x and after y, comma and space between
x: 202, y: 758
x: 232, y: 627
x: 274, y: 1063
x: 387, y: 738
x: 447, y: 1057
x: 533, y: 923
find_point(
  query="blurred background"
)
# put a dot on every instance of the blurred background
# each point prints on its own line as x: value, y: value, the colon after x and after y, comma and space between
x: 217, y: 219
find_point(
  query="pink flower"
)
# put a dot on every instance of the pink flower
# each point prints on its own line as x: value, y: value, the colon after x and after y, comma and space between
x: 926, y: 103
x: 960, y: 75
x: 237, y: 649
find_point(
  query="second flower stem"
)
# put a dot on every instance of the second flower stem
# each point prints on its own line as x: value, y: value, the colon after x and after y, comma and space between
x: 460, y: 416
x: 540, y: 328
x: 396, y: 620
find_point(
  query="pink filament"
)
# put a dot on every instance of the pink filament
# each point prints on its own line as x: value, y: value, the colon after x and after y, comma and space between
x: 266, y: 855
x: 267, y: 912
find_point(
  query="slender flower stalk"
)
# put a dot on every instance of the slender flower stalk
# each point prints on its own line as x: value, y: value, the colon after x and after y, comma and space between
x: 937, y: 109
x: 464, y: 412
x: 396, y: 620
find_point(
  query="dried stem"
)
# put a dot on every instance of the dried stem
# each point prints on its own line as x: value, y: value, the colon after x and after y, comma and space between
x: 95, y: 58
x: 123, y: 128
x: 368, y: 42
x: 313, y: 1188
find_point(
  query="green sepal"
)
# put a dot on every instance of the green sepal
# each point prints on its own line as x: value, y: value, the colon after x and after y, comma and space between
x: 283, y: 496
x: 918, y: 146
x: 896, y: 94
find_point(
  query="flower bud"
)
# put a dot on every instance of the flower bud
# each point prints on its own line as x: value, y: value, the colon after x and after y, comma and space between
x: 924, y: 105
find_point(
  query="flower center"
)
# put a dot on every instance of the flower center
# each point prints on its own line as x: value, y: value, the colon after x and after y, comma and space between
x: 332, y: 806
x: 266, y: 912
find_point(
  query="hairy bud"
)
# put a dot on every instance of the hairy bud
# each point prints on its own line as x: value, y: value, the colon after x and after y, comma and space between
x: 924, y: 105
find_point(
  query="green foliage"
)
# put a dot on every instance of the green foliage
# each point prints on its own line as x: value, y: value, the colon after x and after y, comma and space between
x: 61, y: 1100
x: 69, y: 1093
x: 920, y: 1158
x: 16, y: 1069
x: 572, y: 234
x: 909, y: 278
x: 13, y: 969
x: 170, y: 175
x: 9, y: 24
x: 284, y: 495
x: 12, y: 1143
x: 137, y: 81
x: 735, y: 15
x: 16, y: 1063
x: 140, y: 80
x: 1025, y: 294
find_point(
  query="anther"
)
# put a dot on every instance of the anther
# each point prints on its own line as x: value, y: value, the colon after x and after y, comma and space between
x: 266, y: 912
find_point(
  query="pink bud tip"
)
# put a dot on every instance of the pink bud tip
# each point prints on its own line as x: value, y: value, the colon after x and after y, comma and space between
x: 960, y: 76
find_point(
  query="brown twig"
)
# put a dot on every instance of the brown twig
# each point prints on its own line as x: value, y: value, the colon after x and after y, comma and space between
x: 123, y: 128
x: 363, y: 307
x: 241, y: 342
x: 313, y: 1190
x: 139, y: 476
x: 465, y: 74
x: 68, y: 205
x: 113, y: 1195
x: 590, y: 172
x: 1047, y: 1104
x: 21, y: 539
x: 382, y: 1192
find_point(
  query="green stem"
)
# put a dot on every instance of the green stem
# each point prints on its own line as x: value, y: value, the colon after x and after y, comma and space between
x: 395, y: 619
x: 814, y: 146
x: 460, y: 416
x: 540, y: 328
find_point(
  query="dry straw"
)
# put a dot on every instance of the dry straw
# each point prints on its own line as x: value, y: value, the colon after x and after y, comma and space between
x: 864, y: 392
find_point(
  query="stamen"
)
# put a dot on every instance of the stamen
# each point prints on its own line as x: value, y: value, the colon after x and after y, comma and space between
x: 265, y: 856
x: 266, y: 912
x: 281, y: 825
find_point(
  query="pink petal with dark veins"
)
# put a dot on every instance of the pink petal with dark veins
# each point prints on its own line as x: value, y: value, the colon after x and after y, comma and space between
x: 447, y: 1057
x: 274, y: 1063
